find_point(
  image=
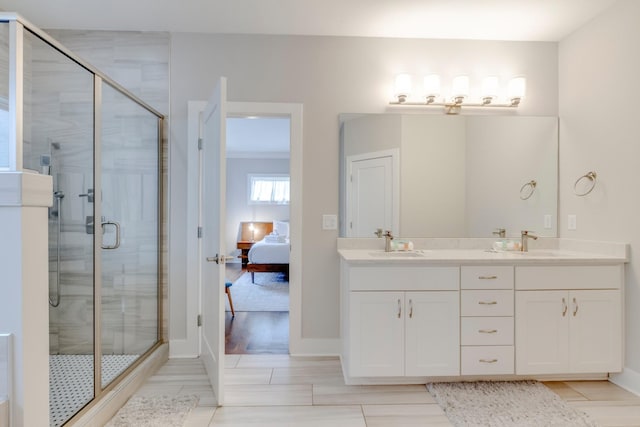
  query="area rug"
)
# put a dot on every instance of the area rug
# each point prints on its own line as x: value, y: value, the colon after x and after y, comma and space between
x: 154, y: 411
x: 505, y: 403
x: 270, y: 292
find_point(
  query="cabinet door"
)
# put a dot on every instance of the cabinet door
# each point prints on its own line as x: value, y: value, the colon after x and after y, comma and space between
x: 377, y: 334
x: 542, y: 332
x: 595, y: 342
x: 432, y: 333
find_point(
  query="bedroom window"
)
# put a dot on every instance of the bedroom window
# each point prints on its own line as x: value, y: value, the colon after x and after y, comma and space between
x: 269, y: 189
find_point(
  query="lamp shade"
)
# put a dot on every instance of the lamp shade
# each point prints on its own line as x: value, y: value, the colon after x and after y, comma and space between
x: 490, y: 87
x: 517, y: 87
x: 403, y: 85
x: 460, y: 87
x: 432, y: 85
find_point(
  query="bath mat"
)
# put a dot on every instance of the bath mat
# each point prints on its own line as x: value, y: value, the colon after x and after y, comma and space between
x: 505, y: 404
x: 154, y: 411
x: 270, y: 292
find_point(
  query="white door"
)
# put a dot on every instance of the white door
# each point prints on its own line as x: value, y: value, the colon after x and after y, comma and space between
x: 595, y: 330
x: 372, y: 199
x: 377, y: 334
x: 432, y: 333
x: 542, y: 332
x: 213, y: 244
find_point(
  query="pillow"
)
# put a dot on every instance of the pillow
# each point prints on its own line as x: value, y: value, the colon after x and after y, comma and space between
x: 282, y: 228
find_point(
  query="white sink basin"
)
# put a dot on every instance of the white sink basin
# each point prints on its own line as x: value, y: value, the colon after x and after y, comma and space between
x: 396, y: 254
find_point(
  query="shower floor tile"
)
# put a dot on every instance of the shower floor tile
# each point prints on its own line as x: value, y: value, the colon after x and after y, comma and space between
x: 71, y: 381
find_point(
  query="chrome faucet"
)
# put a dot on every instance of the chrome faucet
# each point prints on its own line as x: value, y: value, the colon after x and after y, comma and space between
x: 387, y: 241
x: 524, y: 247
x: 501, y: 232
x: 388, y: 238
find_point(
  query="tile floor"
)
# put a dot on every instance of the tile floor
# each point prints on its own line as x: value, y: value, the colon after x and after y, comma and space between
x: 279, y: 390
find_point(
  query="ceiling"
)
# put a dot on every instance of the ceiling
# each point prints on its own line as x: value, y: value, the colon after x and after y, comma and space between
x: 534, y: 20
x: 263, y: 137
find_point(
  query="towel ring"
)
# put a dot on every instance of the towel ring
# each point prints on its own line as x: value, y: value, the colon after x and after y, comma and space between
x: 528, y: 188
x: 591, y: 176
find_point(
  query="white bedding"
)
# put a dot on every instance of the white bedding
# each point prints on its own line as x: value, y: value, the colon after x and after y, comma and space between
x: 269, y: 253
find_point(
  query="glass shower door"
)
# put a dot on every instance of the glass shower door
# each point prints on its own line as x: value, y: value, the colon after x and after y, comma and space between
x: 129, y: 210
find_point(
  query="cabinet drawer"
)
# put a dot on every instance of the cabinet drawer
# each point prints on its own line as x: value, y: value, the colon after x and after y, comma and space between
x: 404, y: 278
x: 487, y: 360
x: 486, y: 331
x: 569, y: 277
x: 486, y: 277
x: 486, y: 303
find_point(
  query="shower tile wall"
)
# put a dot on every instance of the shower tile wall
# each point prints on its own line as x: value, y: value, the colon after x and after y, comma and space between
x: 140, y: 63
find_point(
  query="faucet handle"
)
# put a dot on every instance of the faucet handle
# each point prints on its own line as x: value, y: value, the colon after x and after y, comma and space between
x: 388, y: 234
x: 528, y: 234
x: 378, y: 232
x: 500, y: 232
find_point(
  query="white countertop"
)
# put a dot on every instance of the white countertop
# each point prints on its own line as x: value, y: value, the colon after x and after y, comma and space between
x: 535, y: 256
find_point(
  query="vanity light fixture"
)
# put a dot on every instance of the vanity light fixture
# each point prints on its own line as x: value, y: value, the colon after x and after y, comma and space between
x: 516, y: 90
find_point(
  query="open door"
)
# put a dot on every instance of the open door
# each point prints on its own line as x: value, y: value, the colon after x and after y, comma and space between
x: 213, y: 244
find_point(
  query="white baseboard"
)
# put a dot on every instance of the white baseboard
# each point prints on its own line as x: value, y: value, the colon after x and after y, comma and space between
x: 628, y: 379
x: 181, y: 349
x: 315, y: 347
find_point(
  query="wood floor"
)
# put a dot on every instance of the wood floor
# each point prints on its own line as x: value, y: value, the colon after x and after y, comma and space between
x: 255, y: 332
x: 281, y: 391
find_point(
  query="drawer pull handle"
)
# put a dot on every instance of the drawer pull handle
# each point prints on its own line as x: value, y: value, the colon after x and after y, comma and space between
x: 487, y: 302
x: 487, y: 277
x: 410, y: 309
x: 487, y: 331
x: 488, y: 360
x: 564, y: 307
x: 575, y: 307
x: 399, y: 309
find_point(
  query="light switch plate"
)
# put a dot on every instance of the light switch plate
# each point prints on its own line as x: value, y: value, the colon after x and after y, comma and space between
x: 329, y: 222
x: 571, y: 222
x: 547, y: 222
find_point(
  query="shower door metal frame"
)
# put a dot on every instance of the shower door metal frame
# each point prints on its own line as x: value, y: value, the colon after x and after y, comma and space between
x: 17, y: 26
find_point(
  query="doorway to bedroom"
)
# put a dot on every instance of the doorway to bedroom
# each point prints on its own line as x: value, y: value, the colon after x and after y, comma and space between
x: 257, y: 218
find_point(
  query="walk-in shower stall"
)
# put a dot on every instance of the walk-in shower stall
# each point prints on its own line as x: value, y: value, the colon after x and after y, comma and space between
x: 101, y: 145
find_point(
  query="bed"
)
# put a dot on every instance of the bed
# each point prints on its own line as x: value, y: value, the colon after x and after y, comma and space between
x: 271, y: 253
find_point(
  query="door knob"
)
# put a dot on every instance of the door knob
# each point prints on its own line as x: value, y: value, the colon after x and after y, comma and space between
x: 219, y: 259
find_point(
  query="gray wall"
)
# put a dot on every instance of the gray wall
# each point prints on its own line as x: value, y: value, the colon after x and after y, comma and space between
x: 599, y: 67
x: 328, y: 75
x: 238, y: 208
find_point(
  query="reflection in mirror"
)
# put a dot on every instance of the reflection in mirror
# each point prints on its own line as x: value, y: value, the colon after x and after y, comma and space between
x: 448, y: 176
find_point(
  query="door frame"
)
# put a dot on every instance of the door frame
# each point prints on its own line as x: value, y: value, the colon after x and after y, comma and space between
x: 190, y: 345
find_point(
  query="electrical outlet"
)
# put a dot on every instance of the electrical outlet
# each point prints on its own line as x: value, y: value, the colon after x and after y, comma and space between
x: 547, y: 222
x: 571, y: 222
x: 329, y: 222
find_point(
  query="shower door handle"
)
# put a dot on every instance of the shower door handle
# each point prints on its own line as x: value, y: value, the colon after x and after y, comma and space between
x: 116, y: 225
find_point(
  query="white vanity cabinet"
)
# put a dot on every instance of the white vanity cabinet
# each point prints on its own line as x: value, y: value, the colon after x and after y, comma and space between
x: 568, y: 319
x: 401, y: 321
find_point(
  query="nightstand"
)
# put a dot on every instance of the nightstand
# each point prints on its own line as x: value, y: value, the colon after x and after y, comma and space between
x: 244, y: 246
